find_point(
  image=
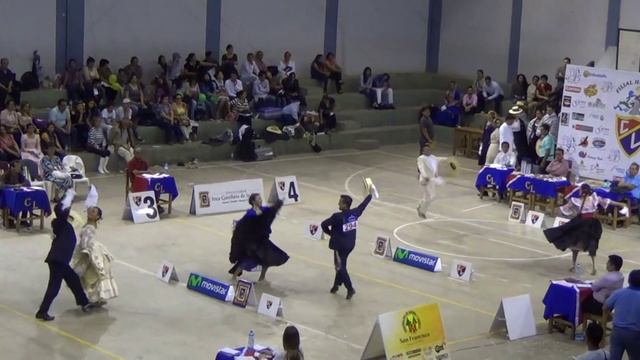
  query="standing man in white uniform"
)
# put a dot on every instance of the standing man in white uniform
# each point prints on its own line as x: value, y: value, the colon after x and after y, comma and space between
x: 429, y: 179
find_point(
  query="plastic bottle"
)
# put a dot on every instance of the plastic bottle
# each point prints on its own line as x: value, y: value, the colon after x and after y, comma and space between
x: 578, y: 270
x: 252, y: 339
x: 166, y: 166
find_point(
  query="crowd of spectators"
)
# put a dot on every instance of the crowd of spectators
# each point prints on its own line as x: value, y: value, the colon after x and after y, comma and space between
x: 104, y: 108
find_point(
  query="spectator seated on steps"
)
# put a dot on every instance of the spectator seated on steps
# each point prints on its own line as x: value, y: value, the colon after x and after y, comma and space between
x: 9, y: 87
x: 240, y: 110
x: 366, y: 83
x: 327, y: 116
x: 291, y: 89
x: 233, y: 85
x: 382, y: 94
x: 449, y: 112
x: 287, y: 65
x: 249, y: 72
x: 261, y: 97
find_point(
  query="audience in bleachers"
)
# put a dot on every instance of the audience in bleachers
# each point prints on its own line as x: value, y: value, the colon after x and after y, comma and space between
x: 54, y: 171
x: 228, y: 62
x: 97, y: 144
x: 49, y: 139
x: 9, y: 149
x: 8, y: 84
x: 492, y: 93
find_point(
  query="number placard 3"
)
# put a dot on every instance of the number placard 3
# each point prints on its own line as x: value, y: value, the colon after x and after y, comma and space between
x: 144, y: 207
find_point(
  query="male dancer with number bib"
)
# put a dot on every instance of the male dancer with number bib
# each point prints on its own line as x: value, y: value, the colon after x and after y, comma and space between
x: 342, y: 227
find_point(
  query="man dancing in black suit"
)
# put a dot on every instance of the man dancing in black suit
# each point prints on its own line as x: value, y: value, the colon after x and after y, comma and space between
x: 62, y: 246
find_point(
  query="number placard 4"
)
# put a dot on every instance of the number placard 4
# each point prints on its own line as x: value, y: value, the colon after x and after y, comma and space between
x: 286, y: 189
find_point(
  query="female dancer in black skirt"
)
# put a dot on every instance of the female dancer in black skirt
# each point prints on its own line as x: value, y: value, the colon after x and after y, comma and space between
x: 250, y: 244
x: 583, y: 232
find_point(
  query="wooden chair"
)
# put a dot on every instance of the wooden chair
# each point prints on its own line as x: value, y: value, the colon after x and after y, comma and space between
x: 127, y: 189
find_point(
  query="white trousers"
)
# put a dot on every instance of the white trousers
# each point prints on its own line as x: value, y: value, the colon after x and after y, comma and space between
x: 126, y: 153
x: 428, y: 195
x: 387, y: 91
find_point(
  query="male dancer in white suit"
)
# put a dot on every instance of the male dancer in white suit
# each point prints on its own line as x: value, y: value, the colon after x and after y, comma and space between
x: 429, y: 179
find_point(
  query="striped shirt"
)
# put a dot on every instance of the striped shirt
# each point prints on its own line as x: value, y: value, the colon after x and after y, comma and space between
x: 96, y: 138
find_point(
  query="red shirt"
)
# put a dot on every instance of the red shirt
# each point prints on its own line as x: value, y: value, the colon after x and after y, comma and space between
x: 544, y: 89
x: 136, y: 164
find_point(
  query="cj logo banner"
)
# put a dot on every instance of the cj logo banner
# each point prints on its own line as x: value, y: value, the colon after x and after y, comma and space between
x: 417, y: 259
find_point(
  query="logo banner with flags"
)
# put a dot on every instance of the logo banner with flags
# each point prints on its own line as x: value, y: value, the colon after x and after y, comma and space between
x: 599, y: 124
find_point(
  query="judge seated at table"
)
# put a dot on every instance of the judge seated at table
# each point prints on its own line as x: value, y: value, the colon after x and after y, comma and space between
x: 137, y: 167
x: 14, y: 176
x: 505, y: 157
x: 630, y: 182
x: 559, y: 166
x: 603, y: 287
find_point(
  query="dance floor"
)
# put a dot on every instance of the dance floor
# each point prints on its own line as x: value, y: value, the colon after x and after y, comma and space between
x: 153, y: 320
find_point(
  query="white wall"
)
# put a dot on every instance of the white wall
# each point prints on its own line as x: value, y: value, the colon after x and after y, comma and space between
x: 475, y: 35
x: 274, y: 26
x: 25, y: 26
x: 386, y: 35
x: 575, y: 28
x: 119, y: 29
x: 630, y: 14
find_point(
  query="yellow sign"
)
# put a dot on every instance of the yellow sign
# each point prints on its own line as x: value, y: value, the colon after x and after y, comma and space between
x: 414, y: 333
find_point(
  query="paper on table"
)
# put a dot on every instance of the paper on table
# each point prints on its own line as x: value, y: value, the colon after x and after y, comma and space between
x: 229, y: 351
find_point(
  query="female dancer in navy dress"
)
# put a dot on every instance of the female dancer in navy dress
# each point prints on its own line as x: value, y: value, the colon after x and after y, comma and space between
x: 250, y: 243
x: 583, y: 232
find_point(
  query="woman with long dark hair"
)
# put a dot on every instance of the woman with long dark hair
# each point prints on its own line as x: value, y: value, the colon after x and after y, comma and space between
x: 290, y: 345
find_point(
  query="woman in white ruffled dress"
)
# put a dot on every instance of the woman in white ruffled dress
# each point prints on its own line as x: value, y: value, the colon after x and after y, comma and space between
x: 92, y: 262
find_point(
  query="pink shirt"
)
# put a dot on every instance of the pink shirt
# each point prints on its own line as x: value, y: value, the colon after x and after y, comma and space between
x: 470, y: 100
x: 558, y: 168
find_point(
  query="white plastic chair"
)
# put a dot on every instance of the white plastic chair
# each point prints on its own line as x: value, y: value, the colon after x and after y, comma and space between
x: 43, y: 184
x: 73, y: 163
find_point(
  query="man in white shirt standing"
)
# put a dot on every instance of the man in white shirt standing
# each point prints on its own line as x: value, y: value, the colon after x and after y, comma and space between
x: 506, y: 131
x: 233, y: 85
x: 491, y: 91
x: 506, y: 157
x: 429, y: 179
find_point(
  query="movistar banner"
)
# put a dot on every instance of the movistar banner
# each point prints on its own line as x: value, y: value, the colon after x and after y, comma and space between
x: 417, y: 259
x: 210, y: 287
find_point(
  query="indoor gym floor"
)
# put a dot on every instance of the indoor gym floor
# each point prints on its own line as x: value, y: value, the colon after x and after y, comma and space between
x: 153, y: 320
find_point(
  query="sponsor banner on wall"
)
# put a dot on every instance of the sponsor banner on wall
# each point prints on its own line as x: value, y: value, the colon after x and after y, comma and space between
x: 600, y: 120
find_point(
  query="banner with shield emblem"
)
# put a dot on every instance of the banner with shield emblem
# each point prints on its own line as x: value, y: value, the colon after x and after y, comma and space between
x: 599, y: 122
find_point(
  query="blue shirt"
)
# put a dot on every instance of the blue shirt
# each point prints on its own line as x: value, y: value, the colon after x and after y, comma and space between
x: 626, y: 306
x: 342, y: 227
x: 636, y: 182
x: 59, y: 118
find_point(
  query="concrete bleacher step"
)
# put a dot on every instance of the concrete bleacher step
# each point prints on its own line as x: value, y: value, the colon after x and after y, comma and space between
x: 405, y: 81
x: 366, y: 144
x: 43, y: 98
x: 402, y: 98
x: 362, y: 139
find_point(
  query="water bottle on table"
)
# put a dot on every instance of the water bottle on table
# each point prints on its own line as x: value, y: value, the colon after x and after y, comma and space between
x: 252, y: 339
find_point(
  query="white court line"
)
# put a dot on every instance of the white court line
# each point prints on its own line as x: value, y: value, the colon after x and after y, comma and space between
x: 438, y: 217
x: 477, y: 207
x: 414, y: 158
x: 147, y: 272
x: 412, y: 209
x: 395, y: 234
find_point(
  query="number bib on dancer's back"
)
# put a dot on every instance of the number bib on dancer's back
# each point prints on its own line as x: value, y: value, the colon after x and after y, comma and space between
x: 350, y: 224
